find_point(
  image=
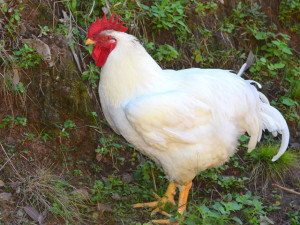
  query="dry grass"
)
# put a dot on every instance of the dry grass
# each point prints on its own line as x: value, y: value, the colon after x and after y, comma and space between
x: 45, y: 192
x: 48, y: 192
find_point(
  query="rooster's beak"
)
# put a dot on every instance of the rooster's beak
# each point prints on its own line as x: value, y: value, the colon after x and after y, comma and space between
x: 90, y: 42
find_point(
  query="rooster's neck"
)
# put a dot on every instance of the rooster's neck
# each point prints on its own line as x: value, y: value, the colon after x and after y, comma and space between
x: 128, y: 72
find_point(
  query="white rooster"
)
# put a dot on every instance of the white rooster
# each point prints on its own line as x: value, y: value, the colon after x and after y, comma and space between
x: 187, y: 121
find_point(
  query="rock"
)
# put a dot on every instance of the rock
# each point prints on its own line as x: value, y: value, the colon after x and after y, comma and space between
x: 127, y: 178
x: 10, y: 140
x: 103, y: 207
x: 81, y: 193
x: 4, y: 196
x: 116, y: 196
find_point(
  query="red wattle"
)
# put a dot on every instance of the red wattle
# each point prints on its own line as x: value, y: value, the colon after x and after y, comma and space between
x: 100, y: 53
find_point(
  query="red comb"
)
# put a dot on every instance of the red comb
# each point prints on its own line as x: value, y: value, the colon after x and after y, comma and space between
x: 98, y: 26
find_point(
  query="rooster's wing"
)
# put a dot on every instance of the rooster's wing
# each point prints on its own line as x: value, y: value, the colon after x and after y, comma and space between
x: 168, y: 118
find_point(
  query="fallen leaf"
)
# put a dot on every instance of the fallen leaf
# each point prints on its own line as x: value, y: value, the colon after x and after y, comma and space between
x: 102, y: 207
x: 95, y: 215
x: 20, y: 213
x: 250, y: 60
x: 16, y: 77
x: 127, y: 178
x: 35, y: 215
x: 1, y: 183
x: 98, y: 157
x: 81, y: 193
x: 4, y: 196
x: 116, y: 196
x: 16, y: 186
x: 295, y: 145
x: 264, y: 220
x: 105, y: 10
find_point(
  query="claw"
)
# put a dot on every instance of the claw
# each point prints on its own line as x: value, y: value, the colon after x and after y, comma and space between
x: 168, y: 197
x: 161, y: 202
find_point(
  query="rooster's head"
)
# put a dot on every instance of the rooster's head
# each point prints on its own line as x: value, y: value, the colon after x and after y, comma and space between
x: 104, y: 44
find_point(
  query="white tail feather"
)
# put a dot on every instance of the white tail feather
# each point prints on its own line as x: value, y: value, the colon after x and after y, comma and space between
x: 273, y: 121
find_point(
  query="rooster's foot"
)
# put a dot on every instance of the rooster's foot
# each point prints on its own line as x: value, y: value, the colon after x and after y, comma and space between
x: 161, y: 201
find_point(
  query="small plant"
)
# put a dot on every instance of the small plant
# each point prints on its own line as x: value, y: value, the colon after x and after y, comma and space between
x: 167, y: 14
x: 275, y: 58
x: 77, y: 173
x: 289, y: 13
x: 29, y: 136
x: 9, y: 121
x: 166, y: 53
x: 44, y: 30
x: 294, y: 217
x: 263, y: 168
x: 223, y: 212
x: 15, y: 18
x: 45, y: 137
x: 68, y: 125
x: 92, y: 74
x: 26, y: 57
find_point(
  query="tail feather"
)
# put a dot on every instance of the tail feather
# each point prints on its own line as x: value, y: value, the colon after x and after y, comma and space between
x: 273, y: 121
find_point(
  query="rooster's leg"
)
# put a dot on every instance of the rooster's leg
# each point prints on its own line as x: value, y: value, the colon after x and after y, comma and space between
x: 183, y: 195
x: 160, y: 203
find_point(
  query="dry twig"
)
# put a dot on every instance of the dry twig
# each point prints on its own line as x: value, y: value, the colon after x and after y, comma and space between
x: 287, y: 189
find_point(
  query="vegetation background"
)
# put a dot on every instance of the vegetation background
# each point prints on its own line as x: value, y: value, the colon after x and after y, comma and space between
x: 60, y: 163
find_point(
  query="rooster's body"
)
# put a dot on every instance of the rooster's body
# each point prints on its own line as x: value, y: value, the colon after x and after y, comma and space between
x: 186, y: 121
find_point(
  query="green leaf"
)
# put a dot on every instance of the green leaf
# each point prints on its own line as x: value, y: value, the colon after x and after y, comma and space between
x: 237, y: 220
x: 17, y: 17
x: 288, y: 102
x: 74, y: 4
x: 263, y: 60
x: 244, y: 138
x: 198, y: 58
x: 261, y: 36
x: 219, y: 207
x: 287, y: 50
x: 232, y: 206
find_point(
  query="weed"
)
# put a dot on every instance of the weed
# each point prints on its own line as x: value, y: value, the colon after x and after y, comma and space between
x: 9, y: 121
x: 77, y: 173
x: 289, y: 13
x: 44, y: 30
x: 91, y: 75
x: 166, y: 52
x: 294, y: 217
x: 26, y: 57
x: 167, y: 14
x: 223, y: 212
x: 264, y: 169
x: 64, y: 128
x: 46, y: 191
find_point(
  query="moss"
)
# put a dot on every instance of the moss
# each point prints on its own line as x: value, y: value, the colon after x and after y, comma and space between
x: 44, y: 15
x: 81, y: 100
x: 74, y: 91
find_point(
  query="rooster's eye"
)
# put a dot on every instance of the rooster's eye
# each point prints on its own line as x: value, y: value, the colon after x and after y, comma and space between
x: 104, y: 38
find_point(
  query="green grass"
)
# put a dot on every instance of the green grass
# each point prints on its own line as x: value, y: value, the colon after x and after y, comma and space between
x: 264, y: 170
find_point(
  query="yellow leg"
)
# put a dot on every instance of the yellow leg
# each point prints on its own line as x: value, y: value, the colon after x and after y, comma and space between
x: 160, y: 203
x: 183, y: 196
